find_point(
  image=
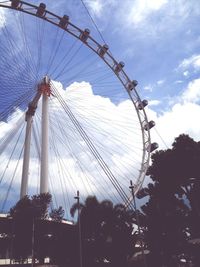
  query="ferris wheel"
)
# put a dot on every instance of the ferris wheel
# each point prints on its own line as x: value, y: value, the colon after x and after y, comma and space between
x: 96, y: 136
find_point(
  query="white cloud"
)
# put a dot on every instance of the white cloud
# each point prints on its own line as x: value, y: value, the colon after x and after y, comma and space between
x: 180, y: 118
x: 160, y: 82
x: 192, y: 93
x: 13, y: 121
x: 148, y: 87
x: 96, y: 6
x: 154, y: 102
x: 2, y: 18
x: 178, y: 81
x: 141, y: 9
x: 186, y: 73
x: 115, y: 133
x: 100, y: 7
x: 189, y: 65
x: 193, y: 61
x: 113, y: 129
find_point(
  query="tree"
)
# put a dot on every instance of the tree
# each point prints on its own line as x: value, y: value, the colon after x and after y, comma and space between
x: 106, y: 232
x: 57, y: 214
x: 173, y: 206
x: 26, y: 215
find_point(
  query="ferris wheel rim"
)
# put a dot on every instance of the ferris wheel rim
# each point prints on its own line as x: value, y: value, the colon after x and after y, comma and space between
x: 104, y: 54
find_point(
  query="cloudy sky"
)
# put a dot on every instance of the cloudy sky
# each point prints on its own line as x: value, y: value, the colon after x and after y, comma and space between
x: 158, y: 41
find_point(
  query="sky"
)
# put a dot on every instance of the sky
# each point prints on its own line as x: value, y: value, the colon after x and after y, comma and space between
x: 158, y: 41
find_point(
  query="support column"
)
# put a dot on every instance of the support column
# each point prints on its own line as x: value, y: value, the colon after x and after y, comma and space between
x: 26, y: 159
x: 44, y: 146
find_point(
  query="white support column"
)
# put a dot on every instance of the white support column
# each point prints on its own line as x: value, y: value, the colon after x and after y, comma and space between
x: 26, y: 159
x: 44, y: 146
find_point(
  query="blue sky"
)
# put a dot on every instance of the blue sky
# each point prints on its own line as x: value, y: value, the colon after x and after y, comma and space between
x: 158, y: 41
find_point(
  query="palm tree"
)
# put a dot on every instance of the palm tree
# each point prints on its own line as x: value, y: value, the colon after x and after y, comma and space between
x: 106, y: 232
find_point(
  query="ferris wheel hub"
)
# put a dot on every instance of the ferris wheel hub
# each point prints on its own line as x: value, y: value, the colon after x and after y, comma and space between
x: 44, y: 87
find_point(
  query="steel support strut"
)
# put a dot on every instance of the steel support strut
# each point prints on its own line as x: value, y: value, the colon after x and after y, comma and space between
x: 26, y: 159
x: 45, y: 88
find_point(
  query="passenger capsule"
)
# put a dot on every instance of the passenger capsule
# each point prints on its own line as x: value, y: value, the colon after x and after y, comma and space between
x: 142, y: 104
x: 15, y: 3
x: 84, y: 35
x: 64, y: 21
x: 149, y: 125
x: 152, y: 147
x: 102, y: 50
x: 41, y: 10
x: 132, y: 85
x: 119, y: 67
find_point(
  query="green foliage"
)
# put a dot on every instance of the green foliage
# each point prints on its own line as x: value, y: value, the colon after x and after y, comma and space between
x: 172, y: 212
x: 57, y: 214
x: 25, y: 215
x: 106, y: 232
x: 31, y: 207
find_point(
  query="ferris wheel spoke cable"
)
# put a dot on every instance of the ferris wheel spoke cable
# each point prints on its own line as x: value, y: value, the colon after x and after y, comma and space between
x: 76, y: 65
x: 13, y: 48
x: 5, y: 141
x: 95, y: 153
x: 59, y: 64
x: 86, y: 152
x: 11, y: 155
x: 104, y: 120
x: 27, y: 55
x: 73, y: 155
x: 87, y: 72
x: 11, y: 182
x: 95, y: 25
x: 10, y: 77
x: 16, y: 87
x: 100, y: 147
x: 58, y: 162
x: 67, y: 173
x: 161, y: 138
x: 30, y: 58
x: 23, y: 99
x: 63, y: 72
x: 54, y: 54
x: 74, y: 76
x: 40, y: 40
x: 10, y: 47
x: 18, y: 99
x: 53, y: 50
x: 101, y: 78
x: 13, y: 68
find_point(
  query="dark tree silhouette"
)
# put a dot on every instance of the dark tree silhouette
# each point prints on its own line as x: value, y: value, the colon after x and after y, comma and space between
x: 57, y: 214
x: 172, y: 211
x: 106, y: 232
x: 26, y: 215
